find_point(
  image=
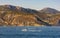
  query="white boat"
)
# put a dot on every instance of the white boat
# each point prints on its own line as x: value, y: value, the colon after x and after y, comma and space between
x: 24, y: 30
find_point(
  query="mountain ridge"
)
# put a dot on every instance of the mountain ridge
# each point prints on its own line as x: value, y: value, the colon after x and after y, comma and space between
x: 19, y: 16
x: 49, y: 10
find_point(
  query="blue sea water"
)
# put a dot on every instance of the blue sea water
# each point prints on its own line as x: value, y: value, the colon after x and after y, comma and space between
x: 30, y: 32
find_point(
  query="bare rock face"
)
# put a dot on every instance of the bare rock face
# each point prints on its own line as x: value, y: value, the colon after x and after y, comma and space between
x: 19, y: 16
x: 50, y: 15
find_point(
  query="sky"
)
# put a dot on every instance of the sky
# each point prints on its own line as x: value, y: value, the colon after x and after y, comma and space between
x: 33, y: 4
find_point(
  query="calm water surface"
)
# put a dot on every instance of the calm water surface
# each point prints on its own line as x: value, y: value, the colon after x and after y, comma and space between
x: 30, y: 32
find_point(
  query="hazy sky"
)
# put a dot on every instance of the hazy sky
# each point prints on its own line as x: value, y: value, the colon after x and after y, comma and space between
x: 33, y: 4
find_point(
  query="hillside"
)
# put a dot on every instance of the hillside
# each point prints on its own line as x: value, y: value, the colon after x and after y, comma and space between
x: 50, y: 15
x: 18, y: 16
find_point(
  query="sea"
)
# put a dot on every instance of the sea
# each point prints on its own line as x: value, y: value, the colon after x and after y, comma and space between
x: 30, y: 32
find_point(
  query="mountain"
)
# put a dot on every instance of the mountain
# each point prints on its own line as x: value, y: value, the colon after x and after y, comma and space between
x: 18, y: 16
x: 50, y: 15
x: 49, y: 10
